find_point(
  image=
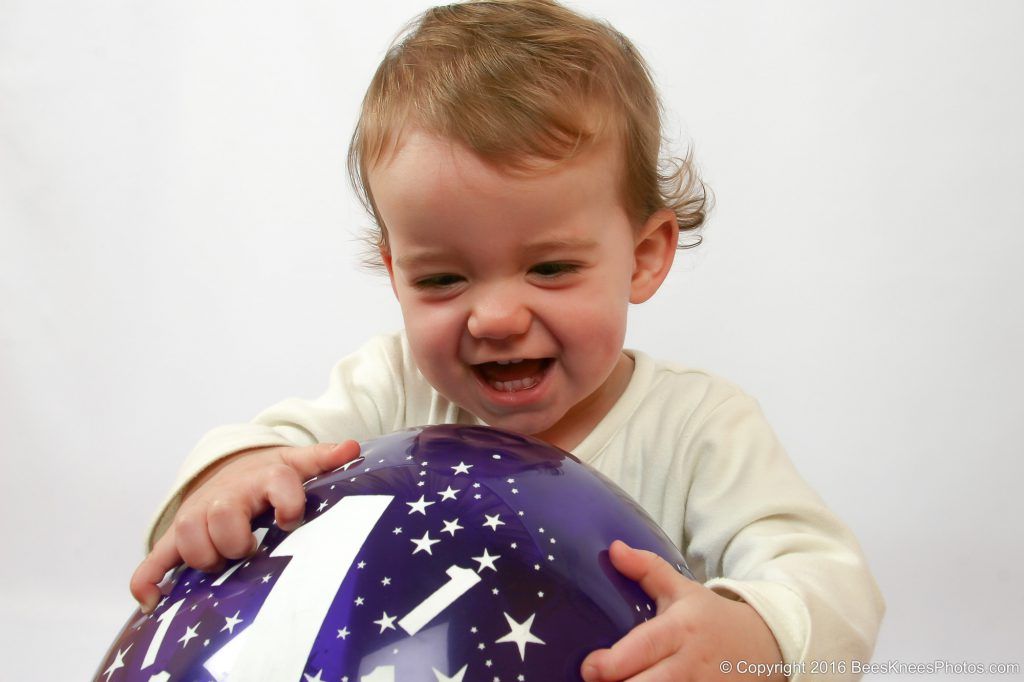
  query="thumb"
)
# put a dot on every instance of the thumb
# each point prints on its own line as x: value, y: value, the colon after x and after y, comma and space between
x: 320, y: 458
x: 656, y: 576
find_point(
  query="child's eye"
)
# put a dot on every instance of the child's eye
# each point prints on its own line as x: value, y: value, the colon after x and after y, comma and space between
x: 437, y: 281
x: 551, y: 270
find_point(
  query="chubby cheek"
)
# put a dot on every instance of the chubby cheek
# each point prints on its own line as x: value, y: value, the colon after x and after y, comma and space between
x: 596, y: 333
x: 433, y: 333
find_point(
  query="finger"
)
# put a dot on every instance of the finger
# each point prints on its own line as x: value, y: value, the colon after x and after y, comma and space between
x: 340, y: 454
x: 643, y: 647
x: 230, y: 530
x: 673, y: 669
x: 192, y: 538
x: 143, y: 585
x: 656, y: 576
x: 284, y: 491
x: 317, y: 459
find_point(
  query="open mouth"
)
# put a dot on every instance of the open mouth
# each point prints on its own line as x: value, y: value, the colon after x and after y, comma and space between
x: 513, y: 375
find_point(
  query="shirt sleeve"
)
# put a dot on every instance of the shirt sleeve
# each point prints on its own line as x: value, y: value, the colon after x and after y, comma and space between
x: 365, y: 397
x: 760, y: 534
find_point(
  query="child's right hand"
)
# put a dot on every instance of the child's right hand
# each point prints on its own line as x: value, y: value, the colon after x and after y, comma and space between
x: 214, y: 520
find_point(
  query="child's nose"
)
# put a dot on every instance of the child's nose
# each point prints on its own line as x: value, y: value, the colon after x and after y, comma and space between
x: 499, y: 314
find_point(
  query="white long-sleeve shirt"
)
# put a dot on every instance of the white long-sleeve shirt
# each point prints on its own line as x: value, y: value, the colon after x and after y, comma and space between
x: 695, y: 452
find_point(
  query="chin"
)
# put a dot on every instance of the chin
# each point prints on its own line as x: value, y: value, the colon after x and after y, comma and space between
x: 530, y: 425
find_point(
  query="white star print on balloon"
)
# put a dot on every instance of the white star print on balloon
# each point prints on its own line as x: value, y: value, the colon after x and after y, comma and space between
x: 441, y: 677
x: 448, y: 493
x: 420, y: 506
x: 493, y: 522
x: 386, y: 622
x: 231, y: 622
x: 486, y: 561
x: 117, y: 664
x: 190, y: 634
x: 424, y: 544
x: 520, y: 634
x: 451, y: 527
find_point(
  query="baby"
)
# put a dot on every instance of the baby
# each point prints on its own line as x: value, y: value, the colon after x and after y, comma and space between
x: 509, y: 154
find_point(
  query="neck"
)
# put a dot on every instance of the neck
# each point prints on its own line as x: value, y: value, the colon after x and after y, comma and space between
x: 579, y: 421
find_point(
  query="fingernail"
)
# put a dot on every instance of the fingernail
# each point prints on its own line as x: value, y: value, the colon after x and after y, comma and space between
x: 146, y: 607
x: 589, y: 673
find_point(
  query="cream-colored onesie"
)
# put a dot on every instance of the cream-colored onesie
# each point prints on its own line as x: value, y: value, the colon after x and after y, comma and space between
x: 691, y: 448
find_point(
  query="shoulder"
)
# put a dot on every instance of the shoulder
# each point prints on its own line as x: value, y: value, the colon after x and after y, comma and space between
x: 388, y: 352
x: 685, y: 391
x: 392, y: 367
x: 667, y: 408
x: 714, y: 429
x: 390, y: 344
x: 381, y: 365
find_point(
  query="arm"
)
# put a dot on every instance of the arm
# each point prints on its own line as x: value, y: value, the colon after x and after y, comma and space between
x: 758, y: 531
x: 237, y: 472
x: 787, y: 580
x: 364, y: 398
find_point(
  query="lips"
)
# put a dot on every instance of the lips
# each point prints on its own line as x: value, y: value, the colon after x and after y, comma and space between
x: 514, y: 375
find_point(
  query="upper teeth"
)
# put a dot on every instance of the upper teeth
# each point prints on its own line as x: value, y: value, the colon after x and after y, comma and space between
x: 508, y: 362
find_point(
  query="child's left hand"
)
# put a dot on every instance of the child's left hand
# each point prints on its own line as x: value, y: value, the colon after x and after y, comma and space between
x: 694, y: 631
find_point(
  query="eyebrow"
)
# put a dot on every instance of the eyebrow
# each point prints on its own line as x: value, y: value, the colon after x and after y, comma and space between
x: 421, y: 258
x: 428, y: 256
x: 566, y: 244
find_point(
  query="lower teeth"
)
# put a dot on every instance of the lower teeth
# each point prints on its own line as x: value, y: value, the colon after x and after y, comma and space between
x: 514, y: 385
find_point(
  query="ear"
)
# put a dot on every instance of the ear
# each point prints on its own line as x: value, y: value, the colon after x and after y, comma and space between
x: 385, y: 256
x: 653, y: 254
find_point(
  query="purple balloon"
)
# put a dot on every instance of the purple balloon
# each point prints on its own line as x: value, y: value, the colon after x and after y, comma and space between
x: 449, y: 552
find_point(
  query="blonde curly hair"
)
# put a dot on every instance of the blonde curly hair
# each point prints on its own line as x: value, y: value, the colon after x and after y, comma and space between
x: 516, y: 81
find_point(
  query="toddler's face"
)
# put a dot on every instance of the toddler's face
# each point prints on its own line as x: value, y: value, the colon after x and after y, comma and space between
x: 513, y: 290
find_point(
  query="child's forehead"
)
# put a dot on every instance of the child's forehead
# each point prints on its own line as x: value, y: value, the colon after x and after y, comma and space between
x: 420, y: 158
x: 432, y: 186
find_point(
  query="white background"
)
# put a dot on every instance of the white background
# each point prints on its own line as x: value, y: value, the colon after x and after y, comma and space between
x: 177, y: 252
